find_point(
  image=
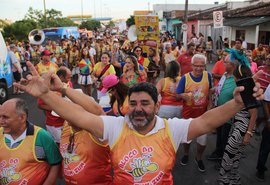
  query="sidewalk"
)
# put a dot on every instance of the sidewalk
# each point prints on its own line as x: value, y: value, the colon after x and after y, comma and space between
x: 189, y: 175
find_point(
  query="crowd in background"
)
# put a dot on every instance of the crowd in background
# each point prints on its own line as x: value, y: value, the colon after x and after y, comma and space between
x: 106, y: 65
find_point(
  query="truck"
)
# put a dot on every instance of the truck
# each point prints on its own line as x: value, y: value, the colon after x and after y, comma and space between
x: 6, y: 75
x: 58, y: 33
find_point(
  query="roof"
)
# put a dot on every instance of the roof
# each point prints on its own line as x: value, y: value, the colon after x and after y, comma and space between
x: 259, y: 9
x: 254, y: 10
x: 245, y: 21
x: 206, y: 14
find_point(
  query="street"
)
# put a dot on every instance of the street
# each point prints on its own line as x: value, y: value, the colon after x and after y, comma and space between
x: 187, y: 175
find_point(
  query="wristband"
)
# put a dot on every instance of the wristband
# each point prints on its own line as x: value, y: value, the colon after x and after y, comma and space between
x: 249, y: 133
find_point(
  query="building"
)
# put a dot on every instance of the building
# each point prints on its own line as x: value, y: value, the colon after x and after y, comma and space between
x: 249, y: 20
x: 170, y: 15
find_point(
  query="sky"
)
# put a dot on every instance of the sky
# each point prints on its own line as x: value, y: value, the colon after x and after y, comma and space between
x: 17, y: 9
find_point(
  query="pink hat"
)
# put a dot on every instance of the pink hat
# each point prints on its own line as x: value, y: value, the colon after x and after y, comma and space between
x: 109, y: 81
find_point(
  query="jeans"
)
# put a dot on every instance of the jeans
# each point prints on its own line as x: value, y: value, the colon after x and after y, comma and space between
x: 264, y: 150
x: 222, y: 138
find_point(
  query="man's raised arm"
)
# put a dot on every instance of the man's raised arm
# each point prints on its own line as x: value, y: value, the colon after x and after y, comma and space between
x: 220, y: 115
x: 39, y: 87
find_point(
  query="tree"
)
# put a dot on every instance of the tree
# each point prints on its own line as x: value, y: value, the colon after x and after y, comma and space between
x: 90, y: 25
x: 35, y: 19
x: 111, y: 24
x: 19, y: 30
x: 130, y: 21
x: 54, y: 18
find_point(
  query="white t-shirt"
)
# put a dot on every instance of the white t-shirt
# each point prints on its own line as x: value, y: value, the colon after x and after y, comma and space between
x: 114, y: 125
x: 267, y: 94
x: 92, y: 52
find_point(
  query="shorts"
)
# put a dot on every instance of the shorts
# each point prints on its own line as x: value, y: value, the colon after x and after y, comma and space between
x: 170, y: 111
x: 75, y: 71
x: 17, y: 76
x: 100, y: 94
x: 85, y: 79
x: 202, y: 140
x: 55, y: 132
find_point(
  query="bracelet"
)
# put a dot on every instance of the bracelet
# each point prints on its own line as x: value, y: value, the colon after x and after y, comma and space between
x: 249, y: 133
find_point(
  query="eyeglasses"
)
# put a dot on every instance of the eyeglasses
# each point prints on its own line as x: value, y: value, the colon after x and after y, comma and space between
x: 71, y: 143
x: 138, y: 50
x: 198, y: 66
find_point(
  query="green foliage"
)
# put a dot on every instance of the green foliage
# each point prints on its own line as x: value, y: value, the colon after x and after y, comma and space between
x: 35, y: 19
x: 130, y: 21
x: 20, y: 29
x: 90, y: 25
x: 111, y: 24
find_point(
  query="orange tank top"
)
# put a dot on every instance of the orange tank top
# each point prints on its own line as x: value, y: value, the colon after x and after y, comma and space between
x: 200, y: 90
x: 19, y: 165
x: 168, y: 92
x: 88, y: 163
x: 139, y: 159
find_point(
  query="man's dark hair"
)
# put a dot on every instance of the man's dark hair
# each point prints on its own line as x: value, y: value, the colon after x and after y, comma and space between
x: 61, y: 72
x: 239, y: 40
x: 145, y: 87
x: 21, y: 106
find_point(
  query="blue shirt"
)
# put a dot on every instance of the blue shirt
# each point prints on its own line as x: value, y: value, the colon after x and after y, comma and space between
x: 182, y: 83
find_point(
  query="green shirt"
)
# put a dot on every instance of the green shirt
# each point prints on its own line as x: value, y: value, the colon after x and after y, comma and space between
x: 45, y: 147
x: 226, y: 93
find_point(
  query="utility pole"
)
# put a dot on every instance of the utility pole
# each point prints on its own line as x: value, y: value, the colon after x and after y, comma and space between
x: 45, y: 16
x: 185, y: 22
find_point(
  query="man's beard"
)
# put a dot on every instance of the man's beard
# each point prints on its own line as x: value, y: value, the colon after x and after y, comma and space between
x: 147, y: 120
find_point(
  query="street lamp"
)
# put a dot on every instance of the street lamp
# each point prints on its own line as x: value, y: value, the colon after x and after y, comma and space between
x: 45, y: 16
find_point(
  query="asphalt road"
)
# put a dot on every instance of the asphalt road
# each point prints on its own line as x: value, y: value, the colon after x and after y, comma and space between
x: 186, y: 175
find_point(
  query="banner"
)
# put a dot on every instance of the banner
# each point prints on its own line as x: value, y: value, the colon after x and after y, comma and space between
x: 218, y: 19
x: 147, y: 30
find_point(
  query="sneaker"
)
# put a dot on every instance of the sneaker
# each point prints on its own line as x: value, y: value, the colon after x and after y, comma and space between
x: 213, y: 157
x: 184, y: 160
x: 260, y: 176
x: 200, y: 164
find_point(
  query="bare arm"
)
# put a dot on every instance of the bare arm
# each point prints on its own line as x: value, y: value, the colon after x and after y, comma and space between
x: 160, y: 85
x: 253, y: 116
x: 213, y: 119
x: 73, y: 113
x: 39, y: 87
x: 52, y: 175
x: 85, y: 101
x: 220, y: 115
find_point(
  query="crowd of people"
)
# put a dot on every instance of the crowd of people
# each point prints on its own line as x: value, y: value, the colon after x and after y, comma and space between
x: 158, y: 99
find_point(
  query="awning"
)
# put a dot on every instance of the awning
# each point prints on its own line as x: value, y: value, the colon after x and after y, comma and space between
x: 176, y: 21
x: 245, y: 21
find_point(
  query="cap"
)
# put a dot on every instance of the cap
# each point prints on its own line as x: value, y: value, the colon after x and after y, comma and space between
x: 115, y: 40
x: 12, y: 46
x: 174, y: 44
x: 46, y: 53
x: 108, y: 82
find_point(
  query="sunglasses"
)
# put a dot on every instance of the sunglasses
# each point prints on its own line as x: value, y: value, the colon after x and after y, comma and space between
x: 71, y: 143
